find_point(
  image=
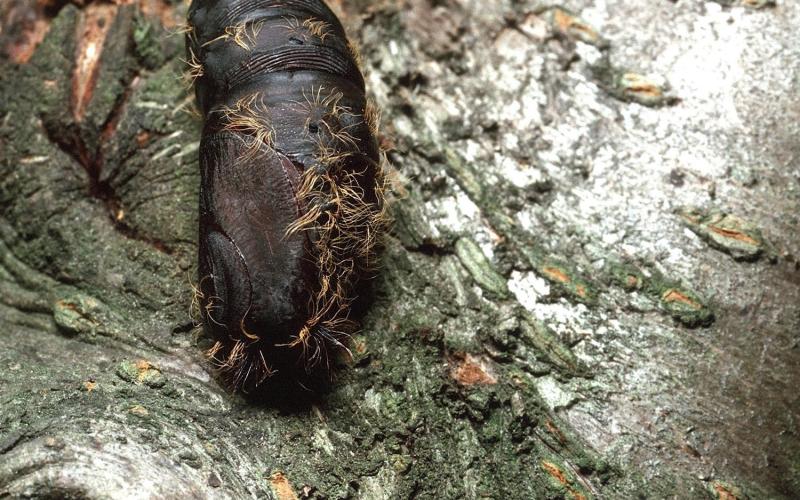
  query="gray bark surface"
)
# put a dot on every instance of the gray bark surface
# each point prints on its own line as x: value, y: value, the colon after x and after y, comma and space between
x: 591, y: 290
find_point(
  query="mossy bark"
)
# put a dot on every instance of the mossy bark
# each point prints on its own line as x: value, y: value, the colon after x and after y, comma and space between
x: 543, y: 324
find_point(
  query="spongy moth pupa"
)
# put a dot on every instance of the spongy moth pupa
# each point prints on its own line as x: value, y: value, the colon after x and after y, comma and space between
x: 292, y: 189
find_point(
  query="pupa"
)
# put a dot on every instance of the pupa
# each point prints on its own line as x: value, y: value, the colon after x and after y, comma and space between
x: 292, y: 203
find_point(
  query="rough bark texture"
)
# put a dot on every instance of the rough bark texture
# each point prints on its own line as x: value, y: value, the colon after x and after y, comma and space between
x: 591, y: 290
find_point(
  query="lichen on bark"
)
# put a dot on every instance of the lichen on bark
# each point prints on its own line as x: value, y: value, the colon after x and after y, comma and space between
x: 543, y: 325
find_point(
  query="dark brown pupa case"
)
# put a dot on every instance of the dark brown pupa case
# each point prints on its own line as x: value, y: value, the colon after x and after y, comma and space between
x: 292, y: 190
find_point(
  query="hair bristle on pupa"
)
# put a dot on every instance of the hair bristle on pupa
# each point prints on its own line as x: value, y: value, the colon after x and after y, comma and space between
x: 292, y: 199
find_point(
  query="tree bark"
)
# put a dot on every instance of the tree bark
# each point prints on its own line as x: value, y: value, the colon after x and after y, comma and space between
x: 591, y: 289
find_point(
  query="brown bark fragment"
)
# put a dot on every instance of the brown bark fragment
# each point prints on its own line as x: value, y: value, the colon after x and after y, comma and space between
x: 92, y: 32
x: 673, y: 295
x: 556, y: 274
x: 472, y: 370
x: 559, y: 475
x: 281, y: 487
x: 735, y: 235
